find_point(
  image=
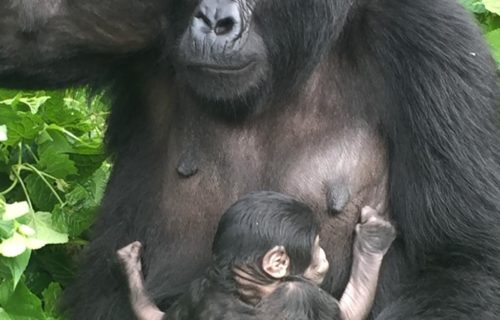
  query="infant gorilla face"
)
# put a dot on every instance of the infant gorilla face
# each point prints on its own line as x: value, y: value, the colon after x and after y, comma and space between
x: 318, y: 268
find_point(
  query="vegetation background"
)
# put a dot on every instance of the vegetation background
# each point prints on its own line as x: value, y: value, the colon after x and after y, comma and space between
x: 53, y: 172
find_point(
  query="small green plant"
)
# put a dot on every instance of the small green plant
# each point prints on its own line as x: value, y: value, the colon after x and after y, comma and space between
x: 53, y: 173
x: 487, y: 13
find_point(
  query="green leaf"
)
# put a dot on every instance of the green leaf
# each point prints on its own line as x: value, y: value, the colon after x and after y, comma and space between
x: 3, y: 205
x: 16, y: 266
x: 26, y: 126
x: 56, y: 142
x: 82, y: 203
x: 45, y: 230
x: 50, y: 298
x: 11, y: 101
x: 16, y: 210
x: 6, y: 291
x: 13, y: 246
x: 58, y: 165
x: 493, y: 38
x: 7, y: 229
x: 34, y: 103
x: 40, y: 194
x: 57, y: 261
x: 4, y: 315
x: 3, y: 133
x: 476, y: 6
x: 88, y: 164
x: 492, y: 6
x: 24, y: 305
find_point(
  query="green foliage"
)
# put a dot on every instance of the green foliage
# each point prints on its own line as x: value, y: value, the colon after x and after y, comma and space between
x: 487, y: 13
x: 53, y: 172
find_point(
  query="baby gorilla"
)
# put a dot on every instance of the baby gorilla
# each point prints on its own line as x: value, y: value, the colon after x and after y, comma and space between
x: 268, y: 264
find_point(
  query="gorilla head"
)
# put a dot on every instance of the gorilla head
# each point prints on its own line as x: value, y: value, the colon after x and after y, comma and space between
x: 233, y: 53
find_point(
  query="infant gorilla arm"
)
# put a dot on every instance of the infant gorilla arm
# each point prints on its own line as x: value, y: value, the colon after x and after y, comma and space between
x: 292, y: 298
x: 374, y: 236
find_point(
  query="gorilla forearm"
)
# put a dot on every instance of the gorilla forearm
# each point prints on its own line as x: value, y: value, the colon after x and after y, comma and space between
x: 57, y: 43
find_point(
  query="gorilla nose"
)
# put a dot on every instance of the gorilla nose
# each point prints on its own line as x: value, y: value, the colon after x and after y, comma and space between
x: 220, y: 17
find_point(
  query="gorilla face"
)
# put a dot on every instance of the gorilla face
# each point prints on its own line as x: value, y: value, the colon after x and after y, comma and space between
x: 237, y: 52
x: 221, y: 56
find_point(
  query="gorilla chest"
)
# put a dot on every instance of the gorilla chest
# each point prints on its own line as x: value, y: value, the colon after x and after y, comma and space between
x: 324, y: 166
x: 334, y: 170
x: 210, y: 165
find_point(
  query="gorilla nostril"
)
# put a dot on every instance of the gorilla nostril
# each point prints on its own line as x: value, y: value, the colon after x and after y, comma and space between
x: 200, y: 15
x: 224, y: 26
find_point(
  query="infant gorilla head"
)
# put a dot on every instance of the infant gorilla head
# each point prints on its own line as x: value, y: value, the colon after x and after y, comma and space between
x: 268, y: 263
x: 267, y: 237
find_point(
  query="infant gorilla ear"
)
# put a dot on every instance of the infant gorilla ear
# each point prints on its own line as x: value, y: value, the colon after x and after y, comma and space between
x: 276, y: 262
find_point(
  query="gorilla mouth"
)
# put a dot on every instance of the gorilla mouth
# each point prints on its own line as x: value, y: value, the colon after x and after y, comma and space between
x: 221, y: 69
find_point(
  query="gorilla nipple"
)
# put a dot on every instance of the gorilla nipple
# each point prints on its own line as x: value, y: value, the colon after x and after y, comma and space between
x: 337, y: 196
x: 187, y: 165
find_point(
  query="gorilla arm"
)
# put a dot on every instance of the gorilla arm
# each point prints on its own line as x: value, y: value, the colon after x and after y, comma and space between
x: 58, y: 43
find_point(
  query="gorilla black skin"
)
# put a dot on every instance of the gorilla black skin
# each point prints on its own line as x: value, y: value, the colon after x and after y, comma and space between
x: 342, y: 104
x: 267, y: 263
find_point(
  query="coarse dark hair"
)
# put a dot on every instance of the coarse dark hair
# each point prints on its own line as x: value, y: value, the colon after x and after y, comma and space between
x: 260, y: 221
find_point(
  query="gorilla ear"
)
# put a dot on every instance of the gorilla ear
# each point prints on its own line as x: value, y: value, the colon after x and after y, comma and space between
x: 276, y: 262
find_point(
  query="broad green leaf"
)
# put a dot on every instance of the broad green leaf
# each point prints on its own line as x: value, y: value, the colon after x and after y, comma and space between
x: 56, y: 261
x: 476, y: 6
x: 11, y: 101
x: 58, y: 165
x: 45, y: 231
x: 34, y: 103
x: 56, y: 143
x: 492, y: 6
x: 88, y: 158
x: 3, y: 133
x: 17, y: 265
x: 4, y: 315
x: 34, y: 243
x: 82, y: 203
x: 6, y: 291
x: 24, y: 305
x: 40, y: 194
x: 493, y: 38
x: 8, y: 117
x: 50, y: 298
x: 26, y: 127
x: 6, y: 229
x: 13, y: 246
x: 16, y: 210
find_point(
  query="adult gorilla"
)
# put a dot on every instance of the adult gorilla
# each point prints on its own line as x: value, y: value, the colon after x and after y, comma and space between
x: 388, y: 103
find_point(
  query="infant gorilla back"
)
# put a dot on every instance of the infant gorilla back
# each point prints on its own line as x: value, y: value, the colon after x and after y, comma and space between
x: 296, y: 299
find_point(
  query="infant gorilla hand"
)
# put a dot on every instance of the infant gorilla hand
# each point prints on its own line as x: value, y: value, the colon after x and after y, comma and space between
x: 375, y: 233
x: 130, y: 257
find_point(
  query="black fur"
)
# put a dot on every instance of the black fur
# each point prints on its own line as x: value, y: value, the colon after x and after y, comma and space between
x: 415, y: 71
